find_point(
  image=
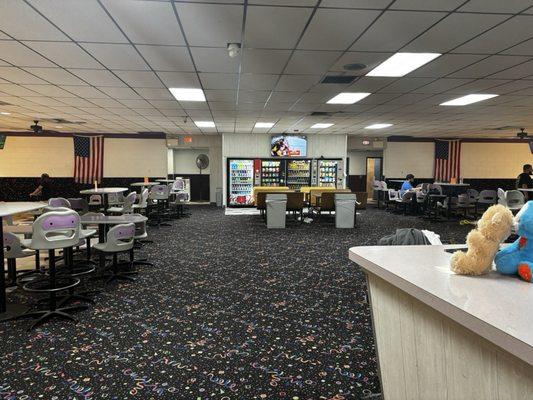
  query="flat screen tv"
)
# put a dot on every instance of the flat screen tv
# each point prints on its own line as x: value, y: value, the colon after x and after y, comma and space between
x: 288, y: 146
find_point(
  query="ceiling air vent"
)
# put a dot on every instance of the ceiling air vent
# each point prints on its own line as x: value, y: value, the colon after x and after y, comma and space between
x: 321, y: 114
x: 342, y: 79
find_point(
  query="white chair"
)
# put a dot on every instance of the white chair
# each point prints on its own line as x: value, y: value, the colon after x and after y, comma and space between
x: 59, y: 202
x: 143, y: 202
x: 486, y: 199
x: 392, y: 197
x: 405, y: 199
x: 501, y: 197
x: 13, y: 249
x: 514, y: 199
x: 127, y: 206
x: 465, y: 203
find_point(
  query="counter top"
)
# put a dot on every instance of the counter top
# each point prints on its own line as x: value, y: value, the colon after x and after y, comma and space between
x: 493, y: 306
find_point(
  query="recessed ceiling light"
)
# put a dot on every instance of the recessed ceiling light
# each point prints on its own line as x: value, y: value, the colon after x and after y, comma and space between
x: 347, y: 98
x: 184, y: 94
x: 401, y: 64
x: 264, y: 124
x: 5, y: 113
x: 321, y: 126
x: 205, y: 124
x: 377, y: 126
x: 58, y: 126
x: 468, y: 99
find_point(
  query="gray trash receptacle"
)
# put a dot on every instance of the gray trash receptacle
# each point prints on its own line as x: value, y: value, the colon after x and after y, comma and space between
x: 218, y: 197
x: 276, y: 207
x: 345, y: 210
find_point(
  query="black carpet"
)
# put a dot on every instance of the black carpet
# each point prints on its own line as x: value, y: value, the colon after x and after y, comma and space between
x: 231, y: 311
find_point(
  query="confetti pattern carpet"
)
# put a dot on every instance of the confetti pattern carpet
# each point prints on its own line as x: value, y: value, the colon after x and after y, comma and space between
x: 230, y: 311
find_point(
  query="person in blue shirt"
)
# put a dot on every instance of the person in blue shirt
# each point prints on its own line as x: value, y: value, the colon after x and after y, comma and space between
x: 407, y: 184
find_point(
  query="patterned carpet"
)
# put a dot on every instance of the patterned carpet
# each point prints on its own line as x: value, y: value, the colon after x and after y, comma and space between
x: 231, y: 311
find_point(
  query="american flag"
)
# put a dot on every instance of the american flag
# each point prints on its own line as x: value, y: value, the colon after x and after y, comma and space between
x: 88, y: 158
x: 447, y: 160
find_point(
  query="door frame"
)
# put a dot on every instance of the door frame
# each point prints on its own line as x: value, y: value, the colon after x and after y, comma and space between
x: 366, y: 169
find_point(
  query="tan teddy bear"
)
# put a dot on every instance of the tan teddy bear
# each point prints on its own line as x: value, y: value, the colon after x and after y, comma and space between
x: 483, y: 242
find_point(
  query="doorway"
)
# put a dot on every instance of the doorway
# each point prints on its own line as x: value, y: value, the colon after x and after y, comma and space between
x: 374, y: 171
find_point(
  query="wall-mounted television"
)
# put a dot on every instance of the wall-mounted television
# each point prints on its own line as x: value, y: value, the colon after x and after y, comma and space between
x: 288, y: 146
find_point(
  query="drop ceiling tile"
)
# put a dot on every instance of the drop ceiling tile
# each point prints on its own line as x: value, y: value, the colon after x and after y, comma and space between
x: 446, y: 64
x: 476, y: 86
x: 257, y: 96
x: 50, y: 90
x: 167, y: 58
x: 284, y: 97
x: 370, y: 84
x: 24, y: 23
x: 297, y: 82
x: 16, y: 90
x: 312, y: 62
x: 488, y: 66
x: 441, y: 85
x: 394, y: 29
x: 119, y: 93
x: 523, y: 49
x: 87, y: 92
x: 46, y: 101
x: 180, y: 79
x: 264, y: 61
x: 97, y: 77
x: 258, y: 81
x: 21, y: 56
x: 453, y: 31
x: 116, y: 56
x: 56, y: 76
x: 65, y: 54
x: 373, y: 4
x: 508, y: 34
x: 218, y: 81
x: 425, y: 5
x: 405, y: 84
x: 159, y: 24
x: 80, y: 19
x: 165, y: 104
x: 224, y: 22
x: 274, y: 27
x: 496, y: 6
x: 106, y: 103
x: 220, y: 95
x: 214, y: 60
x: 145, y: 79
x: 136, y: 103
x: 336, y: 29
x: 155, y: 94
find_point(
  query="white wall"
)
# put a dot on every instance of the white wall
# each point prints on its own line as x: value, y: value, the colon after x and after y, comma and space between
x: 185, y: 161
x: 358, y: 160
x: 258, y: 146
x: 25, y: 156
x: 402, y: 158
x: 481, y: 160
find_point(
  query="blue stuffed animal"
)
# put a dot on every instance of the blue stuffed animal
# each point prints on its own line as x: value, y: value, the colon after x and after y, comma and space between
x: 517, y: 258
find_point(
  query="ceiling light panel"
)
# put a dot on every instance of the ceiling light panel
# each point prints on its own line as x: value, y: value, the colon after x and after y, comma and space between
x: 184, y: 94
x: 401, y: 64
x: 348, y: 98
x: 468, y: 99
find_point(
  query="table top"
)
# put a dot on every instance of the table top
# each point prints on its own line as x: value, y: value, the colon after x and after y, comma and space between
x: 144, y: 184
x: 486, y: 305
x: 452, y: 184
x: 525, y: 190
x: 17, y: 207
x: 166, y: 180
x: 18, y: 229
x: 104, y: 190
x: 112, y: 219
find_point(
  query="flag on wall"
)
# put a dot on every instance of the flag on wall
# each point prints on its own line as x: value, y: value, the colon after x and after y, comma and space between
x: 447, y: 160
x: 88, y: 159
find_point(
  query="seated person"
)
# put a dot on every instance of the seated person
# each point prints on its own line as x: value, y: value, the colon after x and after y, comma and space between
x: 407, y: 184
x: 524, y: 181
x: 43, y: 191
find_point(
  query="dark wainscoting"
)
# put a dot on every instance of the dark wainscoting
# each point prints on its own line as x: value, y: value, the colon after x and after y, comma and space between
x: 478, y: 184
x: 357, y: 183
x: 199, y: 186
x: 18, y: 189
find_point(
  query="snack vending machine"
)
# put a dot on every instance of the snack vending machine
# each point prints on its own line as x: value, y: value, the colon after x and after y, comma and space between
x: 328, y: 173
x: 272, y: 172
x: 298, y: 173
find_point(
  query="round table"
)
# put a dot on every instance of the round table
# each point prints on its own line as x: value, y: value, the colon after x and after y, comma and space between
x: 143, y: 185
x: 104, y: 192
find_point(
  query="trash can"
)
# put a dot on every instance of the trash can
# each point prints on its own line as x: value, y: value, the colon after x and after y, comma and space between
x: 276, y: 207
x: 345, y: 210
x: 218, y: 196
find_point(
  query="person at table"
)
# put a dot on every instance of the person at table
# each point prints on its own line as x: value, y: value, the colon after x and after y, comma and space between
x: 407, y: 184
x: 524, y: 180
x: 44, y: 190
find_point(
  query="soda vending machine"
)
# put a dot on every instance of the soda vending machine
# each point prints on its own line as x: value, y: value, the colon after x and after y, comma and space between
x: 240, y: 190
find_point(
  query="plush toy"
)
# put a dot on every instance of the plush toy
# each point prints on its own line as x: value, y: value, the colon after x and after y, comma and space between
x: 517, y: 258
x: 483, y: 242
